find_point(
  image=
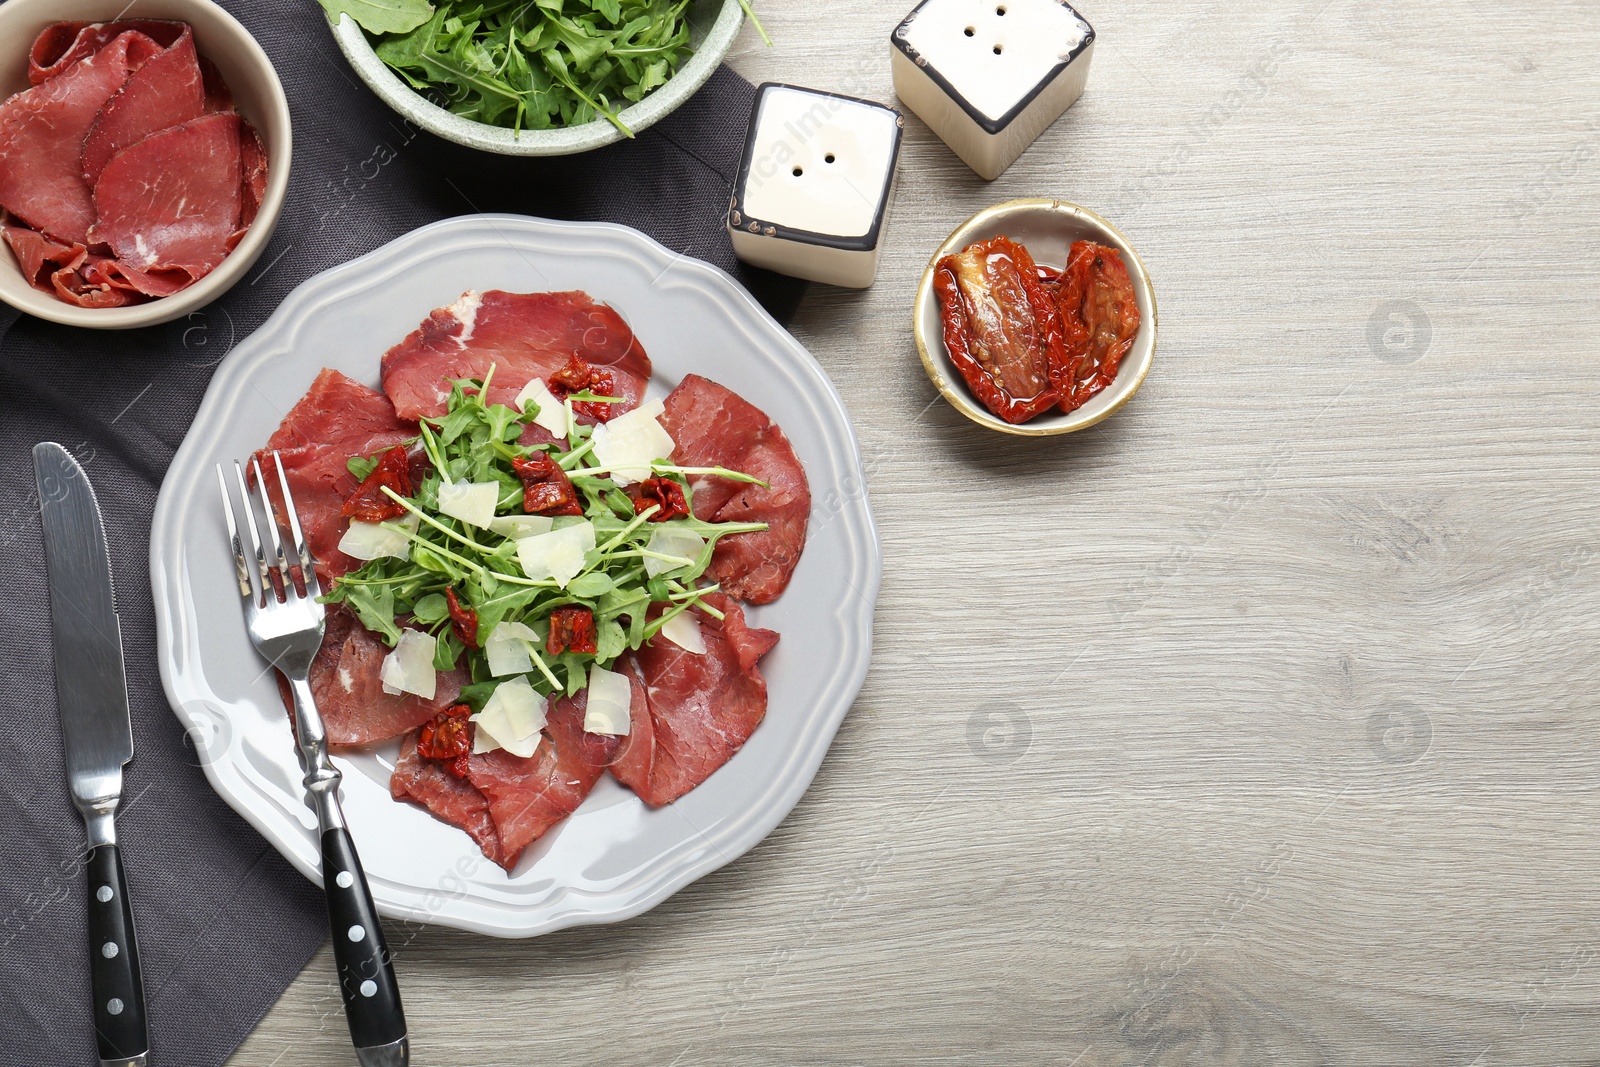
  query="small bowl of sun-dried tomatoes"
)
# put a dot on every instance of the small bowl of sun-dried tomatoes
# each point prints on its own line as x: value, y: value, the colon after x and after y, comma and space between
x: 1036, y: 317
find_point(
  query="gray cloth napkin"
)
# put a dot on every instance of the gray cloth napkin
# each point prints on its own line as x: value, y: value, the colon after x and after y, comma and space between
x: 224, y: 923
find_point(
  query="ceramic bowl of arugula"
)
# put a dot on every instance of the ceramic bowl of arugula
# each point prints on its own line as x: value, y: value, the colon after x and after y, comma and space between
x: 535, y: 77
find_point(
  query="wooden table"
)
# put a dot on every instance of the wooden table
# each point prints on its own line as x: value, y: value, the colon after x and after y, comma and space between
x: 1255, y: 725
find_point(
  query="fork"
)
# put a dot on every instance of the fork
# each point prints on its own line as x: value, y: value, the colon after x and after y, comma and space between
x: 286, y: 625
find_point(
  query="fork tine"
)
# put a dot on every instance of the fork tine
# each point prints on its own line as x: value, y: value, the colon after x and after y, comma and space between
x: 241, y: 570
x: 308, y: 573
x: 277, y: 560
x: 255, y: 539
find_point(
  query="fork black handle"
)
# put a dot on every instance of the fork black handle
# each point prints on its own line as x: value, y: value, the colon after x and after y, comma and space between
x: 366, y: 976
x: 114, y: 979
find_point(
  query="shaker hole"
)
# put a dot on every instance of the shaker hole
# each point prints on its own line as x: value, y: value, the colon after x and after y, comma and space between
x: 828, y: 158
x: 798, y: 171
x: 998, y: 49
x: 1001, y: 10
x: 970, y: 31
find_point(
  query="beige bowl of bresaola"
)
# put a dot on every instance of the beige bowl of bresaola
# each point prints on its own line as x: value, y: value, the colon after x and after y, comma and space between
x: 117, y: 188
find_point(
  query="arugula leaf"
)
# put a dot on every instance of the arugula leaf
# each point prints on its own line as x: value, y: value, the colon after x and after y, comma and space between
x: 477, y: 694
x: 381, y: 16
x: 374, y: 606
x: 447, y: 651
x: 431, y: 609
x: 360, y: 467
x: 591, y: 585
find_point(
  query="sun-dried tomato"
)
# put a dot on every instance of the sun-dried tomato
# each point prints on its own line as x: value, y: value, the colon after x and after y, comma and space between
x: 1001, y: 328
x: 463, y: 620
x: 1100, y: 317
x: 447, y: 737
x: 572, y: 629
x: 660, y: 492
x: 369, y: 503
x: 546, y: 489
x: 579, y: 375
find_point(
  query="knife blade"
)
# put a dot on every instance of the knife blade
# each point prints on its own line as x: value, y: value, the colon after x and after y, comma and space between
x: 96, y: 736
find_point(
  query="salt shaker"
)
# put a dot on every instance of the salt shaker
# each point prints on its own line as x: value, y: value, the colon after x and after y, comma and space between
x: 988, y: 76
x: 815, y: 184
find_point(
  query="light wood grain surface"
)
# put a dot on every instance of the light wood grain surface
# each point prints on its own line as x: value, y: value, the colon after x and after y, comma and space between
x: 1255, y: 725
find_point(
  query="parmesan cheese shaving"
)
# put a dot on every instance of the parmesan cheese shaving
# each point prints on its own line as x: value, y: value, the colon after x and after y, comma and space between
x: 511, y: 719
x: 552, y: 412
x: 409, y: 668
x: 471, y: 502
x: 609, y: 707
x: 557, y: 555
x: 629, y: 443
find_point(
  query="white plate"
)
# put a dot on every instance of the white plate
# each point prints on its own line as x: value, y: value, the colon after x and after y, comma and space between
x: 614, y: 857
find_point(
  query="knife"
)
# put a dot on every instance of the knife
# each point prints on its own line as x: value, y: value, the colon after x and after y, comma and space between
x: 97, y: 736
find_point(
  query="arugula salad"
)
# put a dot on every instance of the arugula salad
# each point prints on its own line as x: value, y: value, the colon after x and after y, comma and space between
x: 536, y: 564
x: 530, y: 64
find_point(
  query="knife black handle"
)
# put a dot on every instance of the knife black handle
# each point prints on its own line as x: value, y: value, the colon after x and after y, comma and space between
x: 366, y: 976
x: 114, y: 960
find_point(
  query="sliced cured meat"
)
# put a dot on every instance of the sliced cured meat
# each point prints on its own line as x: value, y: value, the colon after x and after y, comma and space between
x: 42, y: 130
x: 336, y: 419
x: 68, y: 272
x: 39, y: 257
x: 173, y: 199
x: 253, y: 187
x: 91, y: 287
x: 218, y: 96
x: 534, y: 434
x: 166, y: 91
x: 757, y: 566
x: 523, y: 335
x: 529, y: 796
x: 106, y: 273
x: 507, y: 802
x: 349, y: 693
x: 339, y: 411
x: 712, y: 426
x: 452, y: 799
x: 702, y: 708
x: 61, y: 45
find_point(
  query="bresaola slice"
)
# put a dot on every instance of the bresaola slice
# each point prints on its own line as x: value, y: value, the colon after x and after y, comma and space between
x: 336, y: 419
x: 42, y: 131
x: 92, y: 286
x: 61, y: 45
x: 702, y: 708
x: 349, y: 693
x: 104, y: 272
x: 165, y: 92
x: 218, y: 96
x: 173, y: 199
x: 523, y: 336
x: 712, y: 426
x: 529, y: 796
x: 41, y: 258
x: 253, y: 177
x: 339, y: 412
x: 521, y: 799
x: 455, y: 800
